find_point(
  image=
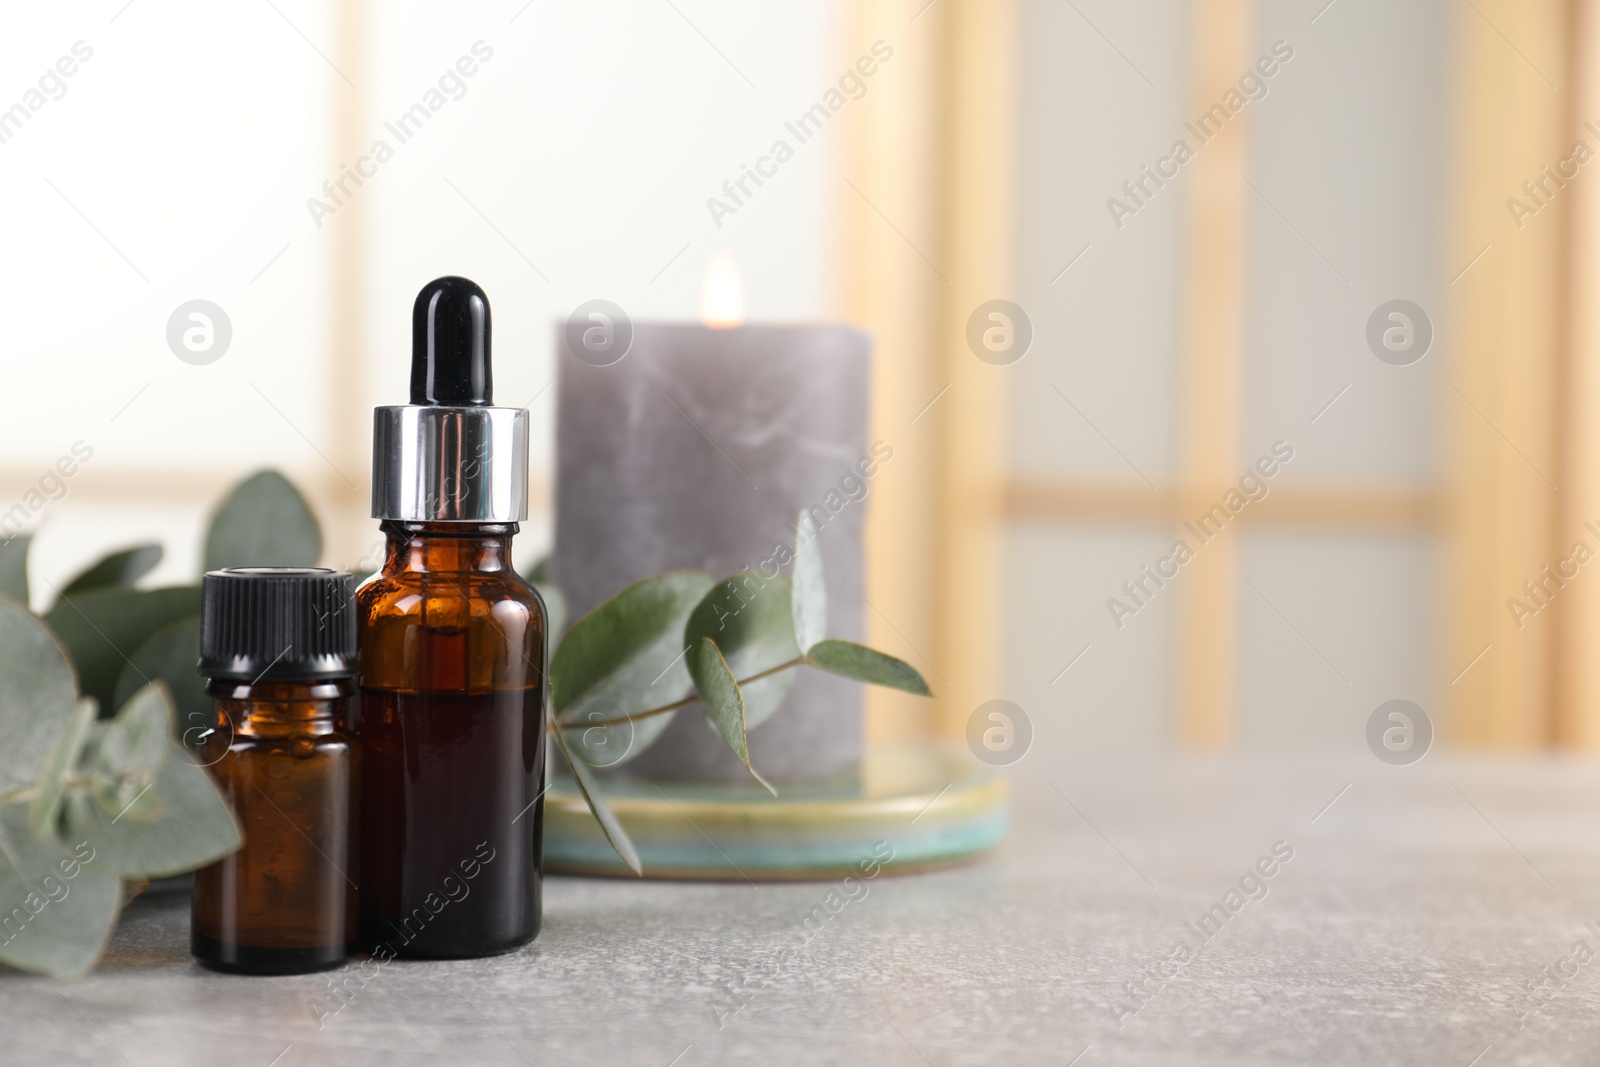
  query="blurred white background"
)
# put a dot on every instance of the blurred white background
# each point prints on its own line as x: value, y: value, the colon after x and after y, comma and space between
x: 178, y: 165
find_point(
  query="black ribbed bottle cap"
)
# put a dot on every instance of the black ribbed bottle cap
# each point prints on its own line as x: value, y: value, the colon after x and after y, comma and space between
x: 278, y: 624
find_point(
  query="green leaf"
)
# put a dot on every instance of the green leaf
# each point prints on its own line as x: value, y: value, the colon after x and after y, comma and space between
x: 169, y: 655
x: 14, y: 567
x: 624, y: 657
x: 264, y: 522
x: 102, y: 629
x: 191, y: 827
x: 722, y: 701
x: 36, y: 695
x: 56, y: 907
x: 609, y: 825
x: 130, y: 751
x: 810, y: 598
x: 749, y: 618
x: 866, y: 665
x: 118, y: 569
x: 537, y: 573
x: 63, y: 757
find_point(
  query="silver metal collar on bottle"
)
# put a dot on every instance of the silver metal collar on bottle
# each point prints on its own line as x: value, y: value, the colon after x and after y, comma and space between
x: 449, y: 464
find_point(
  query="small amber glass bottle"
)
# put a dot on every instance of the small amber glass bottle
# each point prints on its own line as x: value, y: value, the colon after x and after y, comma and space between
x: 278, y: 646
x: 452, y: 658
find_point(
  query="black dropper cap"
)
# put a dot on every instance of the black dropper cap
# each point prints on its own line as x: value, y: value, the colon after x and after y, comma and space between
x: 450, y: 345
x: 450, y: 455
x: 278, y: 624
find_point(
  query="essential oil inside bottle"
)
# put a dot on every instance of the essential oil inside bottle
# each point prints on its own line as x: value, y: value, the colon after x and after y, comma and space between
x: 451, y: 659
x: 278, y: 645
x: 467, y: 885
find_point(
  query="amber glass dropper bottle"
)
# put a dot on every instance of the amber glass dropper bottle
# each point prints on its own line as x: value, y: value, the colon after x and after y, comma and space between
x: 451, y: 658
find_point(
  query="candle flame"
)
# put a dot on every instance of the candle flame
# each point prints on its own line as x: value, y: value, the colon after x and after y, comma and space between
x: 722, y: 292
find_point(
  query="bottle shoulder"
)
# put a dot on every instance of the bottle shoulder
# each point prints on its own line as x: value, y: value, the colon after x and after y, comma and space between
x: 220, y: 751
x: 404, y: 592
x: 450, y: 631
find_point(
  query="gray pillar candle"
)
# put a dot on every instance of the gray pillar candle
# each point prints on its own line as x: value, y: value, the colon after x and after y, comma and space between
x: 697, y: 450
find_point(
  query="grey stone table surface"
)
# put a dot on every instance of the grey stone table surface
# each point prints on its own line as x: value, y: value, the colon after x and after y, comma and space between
x: 1432, y: 914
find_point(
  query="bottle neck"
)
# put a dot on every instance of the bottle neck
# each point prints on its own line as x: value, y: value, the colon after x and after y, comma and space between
x: 447, y: 547
x: 280, y: 707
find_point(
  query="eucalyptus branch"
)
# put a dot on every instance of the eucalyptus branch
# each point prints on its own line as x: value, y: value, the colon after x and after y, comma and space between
x: 676, y: 704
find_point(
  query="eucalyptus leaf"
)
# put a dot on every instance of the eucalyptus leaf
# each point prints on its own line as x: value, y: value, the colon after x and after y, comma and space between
x: 169, y: 655
x: 722, y: 701
x: 866, y: 665
x: 129, y: 752
x: 37, y: 693
x: 810, y: 597
x: 749, y: 618
x: 102, y: 629
x: 14, y: 567
x: 263, y: 522
x: 615, y: 834
x: 57, y: 906
x: 193, y: 826
x: 118, y: 569
x: 624, y: 657
x: 50, y: 783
